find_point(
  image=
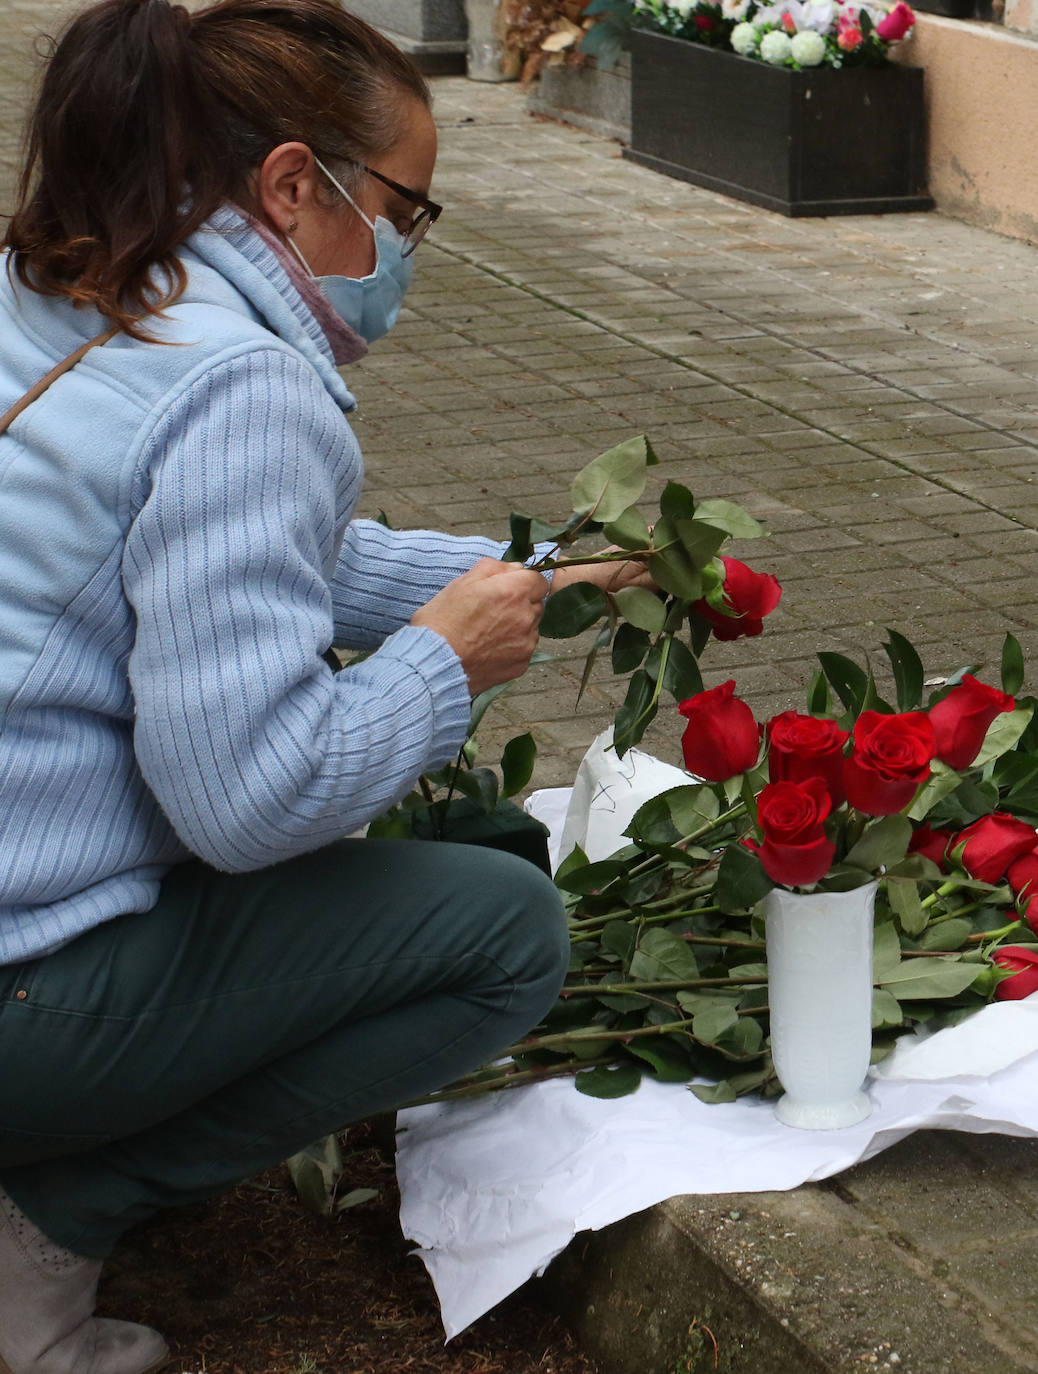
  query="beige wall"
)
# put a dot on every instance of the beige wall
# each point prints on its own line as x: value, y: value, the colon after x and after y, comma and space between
x: 982, y: 102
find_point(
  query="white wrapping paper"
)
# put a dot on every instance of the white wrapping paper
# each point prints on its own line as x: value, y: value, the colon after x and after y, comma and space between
x: 494, y: 1188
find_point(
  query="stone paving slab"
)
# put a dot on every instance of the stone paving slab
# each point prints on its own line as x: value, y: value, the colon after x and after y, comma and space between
x: 867, y: 387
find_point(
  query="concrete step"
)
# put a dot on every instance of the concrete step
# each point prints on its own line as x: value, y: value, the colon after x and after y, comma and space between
x: 921, y: 1260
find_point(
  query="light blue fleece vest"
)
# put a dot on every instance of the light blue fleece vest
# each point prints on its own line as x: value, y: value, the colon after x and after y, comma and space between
x: 175, y: 556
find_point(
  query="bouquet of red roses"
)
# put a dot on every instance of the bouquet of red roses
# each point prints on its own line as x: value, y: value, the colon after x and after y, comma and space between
x: 884, y: 793
x: 937, y: 799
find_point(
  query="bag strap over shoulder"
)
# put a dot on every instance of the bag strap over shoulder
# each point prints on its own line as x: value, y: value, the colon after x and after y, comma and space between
x: 66, y: 365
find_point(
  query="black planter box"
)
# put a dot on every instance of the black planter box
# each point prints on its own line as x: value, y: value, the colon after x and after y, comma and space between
x: 813, y: 142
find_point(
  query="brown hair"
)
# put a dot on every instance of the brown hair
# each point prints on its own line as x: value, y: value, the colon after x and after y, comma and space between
x: 149, y: 118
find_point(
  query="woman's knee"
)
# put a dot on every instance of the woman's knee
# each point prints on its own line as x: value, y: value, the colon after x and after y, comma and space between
x: 525, y: 918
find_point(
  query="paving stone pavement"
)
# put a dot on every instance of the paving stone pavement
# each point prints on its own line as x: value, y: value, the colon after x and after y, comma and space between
x: 867, y: 387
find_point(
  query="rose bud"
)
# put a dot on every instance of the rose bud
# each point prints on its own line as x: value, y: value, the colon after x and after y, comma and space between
x: 932, y: 844
x: 721, y: 738
x: 992, y: 844
x: 1024, y: 964
x: 749, y: 595
x: 1022, y: 875
x: 795, y: 850
x: 891, y: 758
x: 897, y: 23
x: 961, y: 719
x: 806, y: 747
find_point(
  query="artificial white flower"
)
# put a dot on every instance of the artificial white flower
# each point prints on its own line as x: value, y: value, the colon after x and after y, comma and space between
x: 818, y: 15
x: 743, y: 39
x: 776, y: 48
x: 734, y: 9
x: 682, y: 7
x: 808, y: 48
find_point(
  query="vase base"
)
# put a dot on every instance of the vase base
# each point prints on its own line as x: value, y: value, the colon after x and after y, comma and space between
x: 823, y: 1116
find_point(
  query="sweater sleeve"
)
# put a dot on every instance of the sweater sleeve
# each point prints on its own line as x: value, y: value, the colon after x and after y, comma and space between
x: 253, y: 748
x: 384, y: 575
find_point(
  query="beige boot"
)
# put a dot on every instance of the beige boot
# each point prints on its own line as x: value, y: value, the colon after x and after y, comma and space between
x: 47, y: 1324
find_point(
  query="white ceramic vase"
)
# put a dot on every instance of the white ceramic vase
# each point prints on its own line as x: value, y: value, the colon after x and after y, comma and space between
x: 820, y: 1000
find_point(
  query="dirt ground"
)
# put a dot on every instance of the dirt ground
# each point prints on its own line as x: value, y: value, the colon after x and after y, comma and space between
x: 251, y: 1283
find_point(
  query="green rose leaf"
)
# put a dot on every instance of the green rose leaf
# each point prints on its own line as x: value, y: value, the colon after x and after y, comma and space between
x: 930, y: 979
x: 884, y: 843
x: 908, y: 671
x: 699, y: 540
x: 669, y: 1062
x: 613, y: 481
x: 905, y: 902
x: 1012, y: 666
x: 818, y: 696
x: 730, y: 518
x: 316, y: 1171
x: 575, y: 859
x: 681, y: 675
x: 712, y: 1093
x: 573, y: 610
x: 517, y: 760
x: 521, y: 547
x: 671, y: 815
x: 886, y: 952
x: 630, y: 530
x: 481, y: 785
x: 940, y: 784
x: 1003, y: 733
x: 634, y: 715
x: 886, y: 1010
x: 671, y: 566
x: 710, y: 1025
x: 662, y: 957
x: 948, y: 935
x: 741, y: 881
x: 609, y: 1080
x: 590, y: 877
x: 393, y: 825
x: 619, y: 938
x: 677, y: 502
x: 641, y: 608
x: 630, y: 645
x: 745, y: 1039
x: 849, y: 681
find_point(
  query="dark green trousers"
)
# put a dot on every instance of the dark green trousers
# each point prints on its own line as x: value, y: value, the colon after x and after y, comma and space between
x: 163, y: 1057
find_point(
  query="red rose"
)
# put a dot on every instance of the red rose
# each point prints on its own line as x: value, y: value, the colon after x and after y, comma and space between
x: 721, y: 738
x: 891, y: 758
x: 992, y: 844
x: 806, y: 747
x: 1022, y: 874
x: 932, y: 844
x: 1024, y: 964
x: 795, y: 850
x: 704, y: 23
x: 961, y: 719
x: 897, y: 23
x: 1030, y: 913
x: 749, y: 595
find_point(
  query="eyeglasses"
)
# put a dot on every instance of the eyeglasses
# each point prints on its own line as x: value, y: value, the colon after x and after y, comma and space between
x: 425, y: 219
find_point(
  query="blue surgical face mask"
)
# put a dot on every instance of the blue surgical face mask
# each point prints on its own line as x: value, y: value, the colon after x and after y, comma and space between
x: 369, y: 305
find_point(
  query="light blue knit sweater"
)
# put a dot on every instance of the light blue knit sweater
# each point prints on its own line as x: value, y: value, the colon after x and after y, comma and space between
x: 175, y: 555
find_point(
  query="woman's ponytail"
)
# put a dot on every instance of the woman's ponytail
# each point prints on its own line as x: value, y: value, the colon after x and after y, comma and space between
x: 150, y: 117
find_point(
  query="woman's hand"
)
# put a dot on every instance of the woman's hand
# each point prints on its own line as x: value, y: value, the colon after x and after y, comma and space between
x: 489, y: 616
